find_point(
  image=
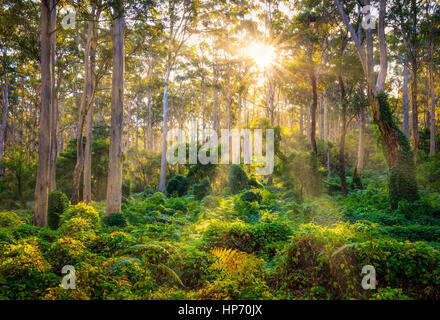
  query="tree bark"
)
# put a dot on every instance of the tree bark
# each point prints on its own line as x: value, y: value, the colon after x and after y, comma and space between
x: 405, y: 96
x: 313, y: 113
x: 414, y: 65
x: 163, y: 161
x: 43, y: 169
x: 433, y: 98
x: 5, y: 102
x: 114, y: 180
x: 84, y: 106
x: 54, y: 104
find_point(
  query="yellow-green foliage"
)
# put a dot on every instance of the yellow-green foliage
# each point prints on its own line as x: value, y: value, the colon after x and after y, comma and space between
x: 239, y: 275
x: 23, y: 271
x: 84, y: 211
x: 9, y: 219
x: 78, y: 228
x: 66, y: 251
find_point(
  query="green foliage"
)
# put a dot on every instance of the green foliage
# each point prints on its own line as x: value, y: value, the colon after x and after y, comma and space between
x: 202, y: 189
x: 83, y: 211
x: 9, y: 218
x: 250, y: 196
x: 66, y: 251
x: 24, y: 272
x: 177, y: 185
x: 57, y: 204
x: 238, y: 179
x: 115, y: 220
x: 403, y: 183
x: 260, y: 238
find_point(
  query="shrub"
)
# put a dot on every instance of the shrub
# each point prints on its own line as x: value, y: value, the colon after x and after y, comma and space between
x: 23, y: 271
x: 177, y: 204
x: 78, y: 229
x: 81, y: 210
x: 9, y: 219
x: 202, y: 189
x: 239, y: 275
x: 250, y: 196
x: 178, y: 185
x: 238, y: 179
x: 115, y: 220
x: 211, y: 202
x: 66, y: 251
x: 57, y: 204
x: 262, y: 237
x: 111, y: 244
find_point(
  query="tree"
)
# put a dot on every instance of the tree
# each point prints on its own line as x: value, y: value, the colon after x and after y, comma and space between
x: 396, y: 147
x: 114, y: 181
x: 44, y: 139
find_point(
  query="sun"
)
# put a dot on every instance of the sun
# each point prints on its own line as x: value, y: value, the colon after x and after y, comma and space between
x: 262, y: 54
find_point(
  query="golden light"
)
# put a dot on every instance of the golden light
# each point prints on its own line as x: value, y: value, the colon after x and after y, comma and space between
x: 262, y: 54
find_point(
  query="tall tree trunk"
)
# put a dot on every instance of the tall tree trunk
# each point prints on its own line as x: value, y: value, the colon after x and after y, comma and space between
x: 326, y: 133
x: 84, y: 106
x: 361, y: 147
x: 203, y: 105
x: 313, y: 113
x: 433, y: 98
x: 5, y: 103
x: 114, y: 180
x: 43, y: 169
x: 214, y: 98
x: 163, y: 161
x: 54, y: 104
x: 87, y: 179
x: 150, y: 132
x: 343, y: 131
x: 405, y: 96
x: 415, y: 112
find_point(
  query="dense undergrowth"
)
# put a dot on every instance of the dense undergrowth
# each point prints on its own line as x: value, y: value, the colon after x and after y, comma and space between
x: 260, y: 243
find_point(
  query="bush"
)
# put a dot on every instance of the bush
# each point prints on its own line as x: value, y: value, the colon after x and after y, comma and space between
x: 178, y: 185
x: 211, y: 202
x: 9, y: 219
x: 262, y: 237
x: 250, y: 196
x: 115, y: 220
x: 238, y: 179
x: 78, y: 229
x: 111, y: 244
x: 66, y: 251
x: 57, y: 204
x: 24, y: 273
x: 202, y: 189
x: 84, y: 211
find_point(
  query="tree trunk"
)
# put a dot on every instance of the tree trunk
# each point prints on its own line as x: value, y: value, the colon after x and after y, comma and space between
x: 87, y: 188
x: 85, y: 104
x: 5, y: 102
x: 54, y: 104
x: 114, y: 180
x: 342, y: 133
x: 43, y: 170
x: 163, y: 161
x: 415, y: 112
x: 313, y: 113
x: 405, y: 96
x: 433, y: 99
x: 361, y: 147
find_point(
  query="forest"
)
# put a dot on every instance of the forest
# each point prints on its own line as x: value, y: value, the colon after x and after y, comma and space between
x: 307, y: 133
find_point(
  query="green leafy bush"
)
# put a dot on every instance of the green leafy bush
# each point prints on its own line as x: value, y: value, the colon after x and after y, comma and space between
x: 250, y: 196
x: 78, y: 229
x: 238, y: 179
x: 57, y: 204
x: 24, y: 272
x: 84, y: 211
x: 66, y: 251
x: 177, y: 185
x: 9, y: 219
x: 115, y: 220
x: 202, y: 189
x: 260, y: 238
